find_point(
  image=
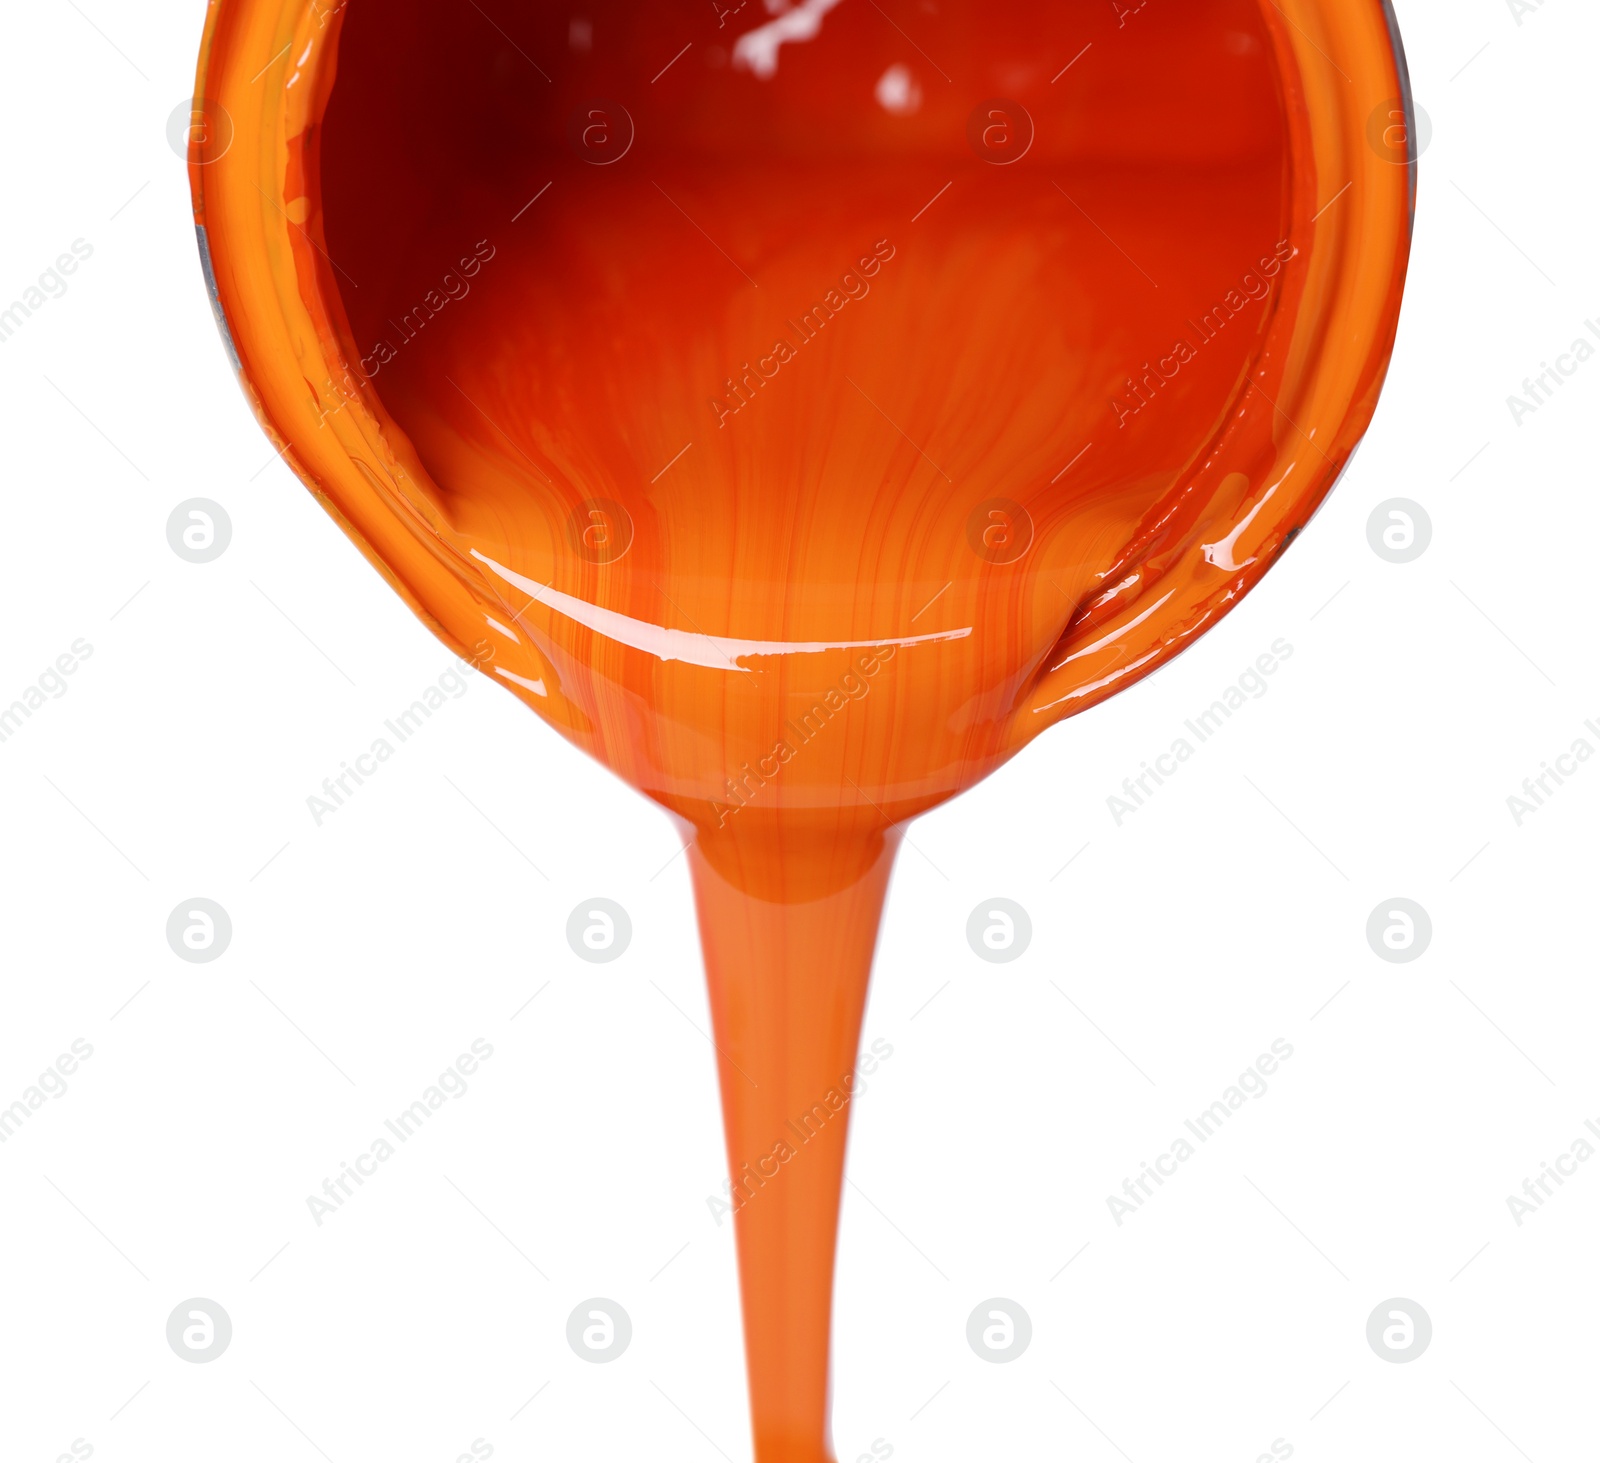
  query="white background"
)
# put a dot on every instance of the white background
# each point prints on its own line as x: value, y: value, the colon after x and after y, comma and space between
x: 368, y: 953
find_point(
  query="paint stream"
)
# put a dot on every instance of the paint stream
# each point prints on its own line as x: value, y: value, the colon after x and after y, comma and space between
x: 804, y: 455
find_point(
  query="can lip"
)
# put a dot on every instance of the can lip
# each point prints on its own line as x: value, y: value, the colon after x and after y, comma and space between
x: 1407, y: 100
x: 281, y: 317
x: 208, y: 36
x: 215, y: 296
x: 1334, y: 344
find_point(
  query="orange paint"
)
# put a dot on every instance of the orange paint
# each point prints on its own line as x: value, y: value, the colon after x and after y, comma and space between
x: 808, y: 425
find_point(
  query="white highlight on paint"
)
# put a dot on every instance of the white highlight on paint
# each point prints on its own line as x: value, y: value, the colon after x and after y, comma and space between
x: 537, y: 687
x: 715, y: 653
x: 505, y: 630
x: 757, y: 50
x: 897, y: 91
x: 1119, y: 632
x: 1221, y: 553
x: 1121, y: 672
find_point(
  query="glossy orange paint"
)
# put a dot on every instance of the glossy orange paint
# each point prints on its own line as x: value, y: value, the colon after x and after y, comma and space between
x: 809, y: 418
